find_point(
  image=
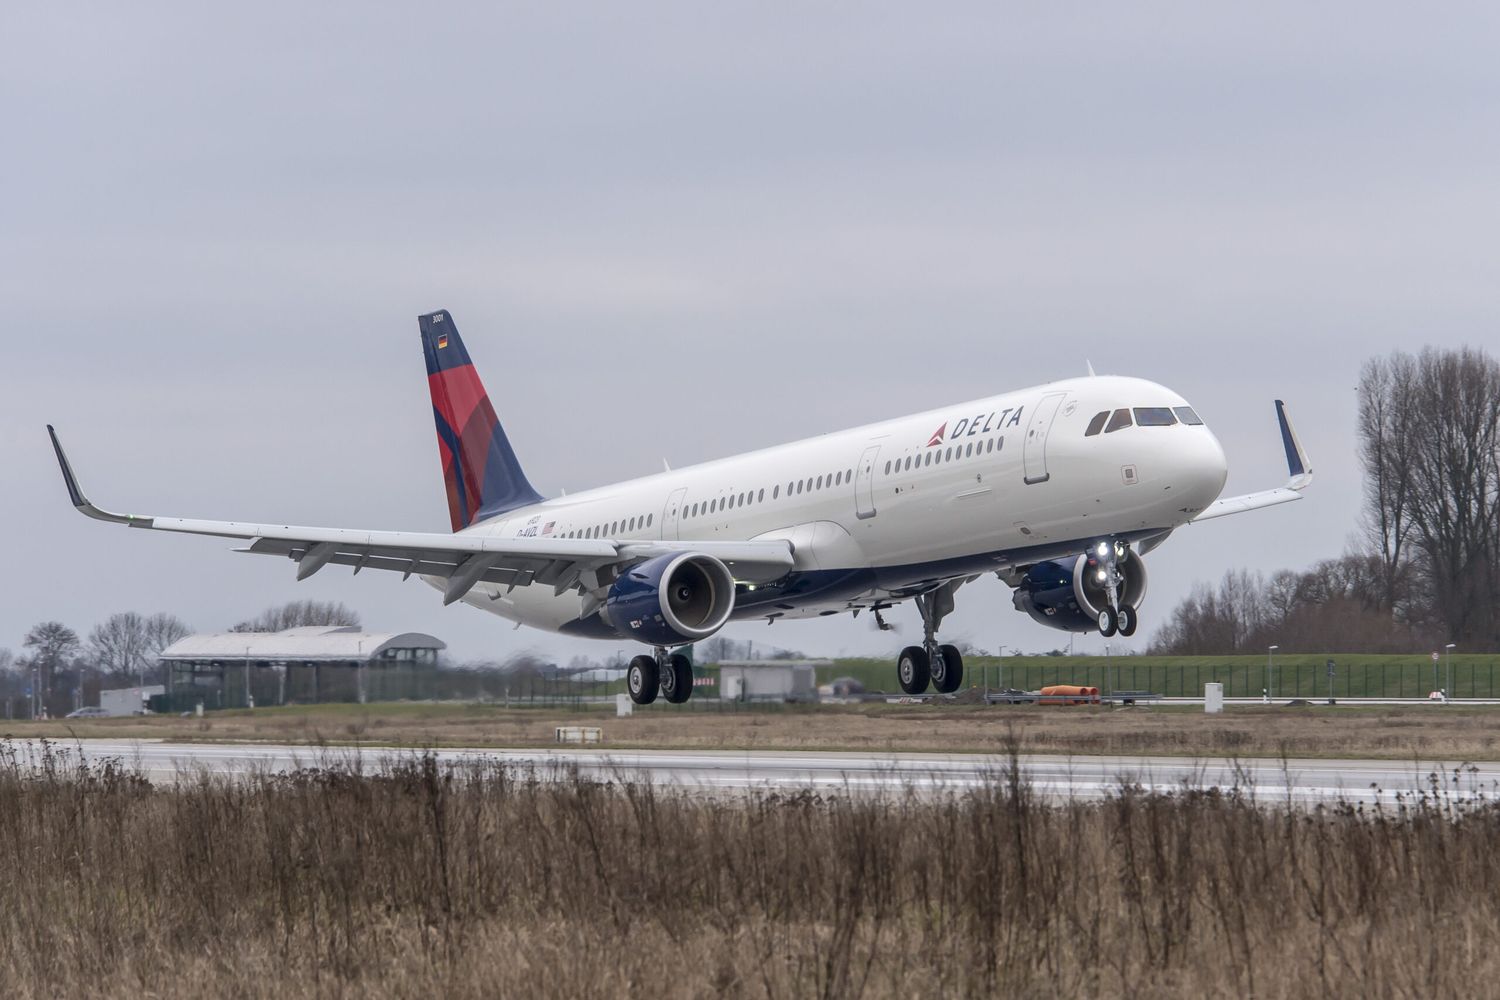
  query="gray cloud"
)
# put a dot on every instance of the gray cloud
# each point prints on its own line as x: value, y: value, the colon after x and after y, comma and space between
x: 219, y: 227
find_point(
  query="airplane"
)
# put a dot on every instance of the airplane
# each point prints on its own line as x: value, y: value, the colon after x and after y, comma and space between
x: 1059, y: 490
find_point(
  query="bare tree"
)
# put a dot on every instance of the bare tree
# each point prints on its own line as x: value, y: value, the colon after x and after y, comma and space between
x: 52, y: 645
x: 126, y: 645
x: 297, y: 614
x: 1387, y: 424
x: 1430, y: 442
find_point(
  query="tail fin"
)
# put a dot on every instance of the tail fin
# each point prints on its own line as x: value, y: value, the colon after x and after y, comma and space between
x: 479, y: 467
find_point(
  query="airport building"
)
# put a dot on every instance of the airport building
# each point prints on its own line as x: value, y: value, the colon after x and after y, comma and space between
x: 309, y: 664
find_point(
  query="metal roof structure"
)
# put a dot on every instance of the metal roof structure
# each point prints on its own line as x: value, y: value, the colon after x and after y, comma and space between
x: 308, y: 644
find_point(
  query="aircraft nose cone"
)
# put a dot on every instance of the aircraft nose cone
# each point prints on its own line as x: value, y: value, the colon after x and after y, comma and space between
x: 1204, y: 470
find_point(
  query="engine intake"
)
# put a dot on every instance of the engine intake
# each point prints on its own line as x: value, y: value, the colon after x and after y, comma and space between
x: 1068, y: 595
x: 671, y: 600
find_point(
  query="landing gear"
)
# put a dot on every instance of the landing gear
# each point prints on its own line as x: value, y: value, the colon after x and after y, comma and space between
x: 642, y: 680
x: 930, y: 663
x: 913, y: 670
x: 1115, y: 617
x: 677, y: 679
x: 1109, y: 622
x: 947, y: 669
x: 670, y: 675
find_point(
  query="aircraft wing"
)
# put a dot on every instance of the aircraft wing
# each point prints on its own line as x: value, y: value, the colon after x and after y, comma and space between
x: 1299, y: 472
x: 464, y: 559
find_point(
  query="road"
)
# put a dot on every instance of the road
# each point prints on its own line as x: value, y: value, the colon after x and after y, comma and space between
x: 1303, y: 781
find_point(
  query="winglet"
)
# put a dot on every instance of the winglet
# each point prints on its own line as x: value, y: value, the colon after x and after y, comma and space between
x: 75, y: 492
x: 1298, y: 467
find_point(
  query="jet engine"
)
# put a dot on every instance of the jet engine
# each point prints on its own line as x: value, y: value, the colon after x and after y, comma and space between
x: 671, y: 600
x: 1068, y: 594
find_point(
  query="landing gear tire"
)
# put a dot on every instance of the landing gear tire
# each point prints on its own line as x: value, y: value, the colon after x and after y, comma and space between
x: 947, y: 669
x: 677, y: 679
x: 1128, y: 620
x: 913, y: 670
x: 1109, y: 622
x: 641, y: 679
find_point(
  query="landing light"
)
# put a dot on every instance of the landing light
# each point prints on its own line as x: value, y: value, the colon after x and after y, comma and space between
x: 1102, y: 576
x: 1103, y: 549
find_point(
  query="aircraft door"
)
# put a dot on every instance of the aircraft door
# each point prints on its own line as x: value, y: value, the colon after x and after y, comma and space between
x: 1034, y: 449
x: 671, y: 514
x: 864, y: 483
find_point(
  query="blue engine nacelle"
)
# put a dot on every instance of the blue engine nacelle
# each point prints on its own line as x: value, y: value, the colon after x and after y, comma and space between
x: 673, y: 599
x: 1067, y: 594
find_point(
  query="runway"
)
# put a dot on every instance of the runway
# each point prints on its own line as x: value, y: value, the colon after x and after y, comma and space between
x: 1301, y: 781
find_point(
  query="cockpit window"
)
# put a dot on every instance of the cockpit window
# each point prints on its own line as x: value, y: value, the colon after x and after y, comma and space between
x: 1187, y: 415
x: 1120, y: 419
x: 1154, y: 416
x: 1097, y: 424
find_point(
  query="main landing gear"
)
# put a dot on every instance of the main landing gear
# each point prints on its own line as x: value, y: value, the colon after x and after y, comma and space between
x: 942, y: 666
x: 1114, y: 617
x: 667, y: 674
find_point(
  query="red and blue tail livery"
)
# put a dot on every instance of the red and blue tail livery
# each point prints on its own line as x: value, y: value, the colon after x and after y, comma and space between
x: 480, y: 469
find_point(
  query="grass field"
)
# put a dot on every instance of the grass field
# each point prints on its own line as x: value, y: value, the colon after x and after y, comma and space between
x: 480, y: 882
x: 1432, y: 732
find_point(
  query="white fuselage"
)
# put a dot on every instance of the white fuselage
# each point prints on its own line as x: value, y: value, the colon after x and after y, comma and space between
x: 887, y: 509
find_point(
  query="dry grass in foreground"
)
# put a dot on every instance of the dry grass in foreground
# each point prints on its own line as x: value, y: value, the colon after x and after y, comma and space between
x: 1428, y: 732
x: 481, y: 882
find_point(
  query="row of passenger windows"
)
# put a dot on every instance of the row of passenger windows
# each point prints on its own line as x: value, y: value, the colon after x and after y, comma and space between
x: 1145, y: 416
x: 748, y: 498
x: 939, y: 456
x: 613, y: 528
x: 796, y: 487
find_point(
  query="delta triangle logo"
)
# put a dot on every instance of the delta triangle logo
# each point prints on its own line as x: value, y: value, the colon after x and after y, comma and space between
x: 937, y: 435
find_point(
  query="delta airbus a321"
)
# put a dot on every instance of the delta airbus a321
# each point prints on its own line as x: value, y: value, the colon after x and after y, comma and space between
x: 1058, y: 490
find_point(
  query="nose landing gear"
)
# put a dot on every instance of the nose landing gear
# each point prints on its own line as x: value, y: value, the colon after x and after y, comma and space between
x: 1114, y: 617
x: 941, y: 666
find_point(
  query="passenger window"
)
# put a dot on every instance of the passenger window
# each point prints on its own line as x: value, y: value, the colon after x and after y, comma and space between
x: 888, y: 468
x: 848, y: 475
x: 649, y: 519
x: 1154, y: 416
x: 775, y: 492
x: 1188, y: 416
x: 1097, y: 424
x: 969, y: 451
x: 1119, y: 420
x: 760, y: 497
x: 819, y: 484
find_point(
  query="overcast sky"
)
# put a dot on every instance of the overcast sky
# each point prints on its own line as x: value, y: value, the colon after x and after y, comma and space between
x: 689, y: 230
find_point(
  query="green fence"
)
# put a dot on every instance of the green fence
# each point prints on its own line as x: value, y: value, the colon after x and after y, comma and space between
x: 1301, y: 676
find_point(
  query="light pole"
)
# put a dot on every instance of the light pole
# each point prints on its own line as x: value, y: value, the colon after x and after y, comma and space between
x: 1448, y: 689
x: 1270, y: 654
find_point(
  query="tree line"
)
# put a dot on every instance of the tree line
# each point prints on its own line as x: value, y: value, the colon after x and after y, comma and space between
x: 1423, y: 569
x: 63, y: 670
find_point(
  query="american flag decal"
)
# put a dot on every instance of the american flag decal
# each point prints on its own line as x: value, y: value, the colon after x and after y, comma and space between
x: 547, y: 528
